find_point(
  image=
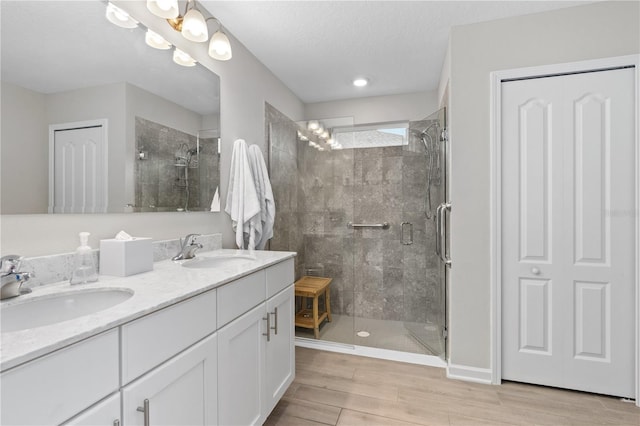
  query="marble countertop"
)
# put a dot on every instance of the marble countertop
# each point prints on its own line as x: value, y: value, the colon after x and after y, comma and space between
x: 167, y: 284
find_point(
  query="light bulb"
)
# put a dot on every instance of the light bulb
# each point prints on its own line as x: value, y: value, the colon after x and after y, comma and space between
x: 183, y: 58
x: 167, y: 9
x: 194, y: 27
x: 360, y: 82
x: 156, y: 41
x: 220, y: 47
x: 119, y: 17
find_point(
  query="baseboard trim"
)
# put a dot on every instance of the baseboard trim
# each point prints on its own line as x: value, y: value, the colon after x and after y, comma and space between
x: 428, y: 360
x: 469, y: 374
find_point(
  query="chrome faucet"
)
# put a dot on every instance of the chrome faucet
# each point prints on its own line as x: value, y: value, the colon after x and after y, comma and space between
x: 12, y: 278
x: 188, y: 247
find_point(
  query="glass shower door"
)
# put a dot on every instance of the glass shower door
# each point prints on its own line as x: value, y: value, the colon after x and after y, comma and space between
x: 430, y: 329
x: 366, y: 214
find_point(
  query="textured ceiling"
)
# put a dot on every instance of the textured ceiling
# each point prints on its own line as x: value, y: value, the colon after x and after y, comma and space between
x: 316, y: 48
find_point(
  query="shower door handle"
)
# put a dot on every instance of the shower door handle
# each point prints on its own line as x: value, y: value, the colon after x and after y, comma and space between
x: 441, y: 223
x: 438, y: 226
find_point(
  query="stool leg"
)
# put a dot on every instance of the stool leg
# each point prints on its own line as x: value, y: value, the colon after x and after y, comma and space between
x: 327, y: 301
x: 316, y: 326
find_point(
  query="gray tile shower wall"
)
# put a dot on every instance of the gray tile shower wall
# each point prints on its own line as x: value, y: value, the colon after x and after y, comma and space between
x: 318, y: 192
x: 160, y: 184
x: 283, y: 171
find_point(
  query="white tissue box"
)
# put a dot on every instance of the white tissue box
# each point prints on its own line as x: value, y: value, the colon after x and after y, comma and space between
x: 125, y: 257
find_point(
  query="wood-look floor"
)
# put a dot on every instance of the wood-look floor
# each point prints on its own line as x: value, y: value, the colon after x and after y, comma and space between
x: 338, y: 389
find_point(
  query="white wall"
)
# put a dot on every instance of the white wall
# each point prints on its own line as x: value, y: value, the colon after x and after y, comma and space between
x: 580, y: 33
x: 245, y: 85
x: 25, y: 162
x: 375, y: 109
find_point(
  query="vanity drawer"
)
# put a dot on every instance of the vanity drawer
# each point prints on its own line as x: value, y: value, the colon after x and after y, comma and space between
x: 151, y: 340
x: 51, y: 389
x: 279, y: 277
x: 238, y: 297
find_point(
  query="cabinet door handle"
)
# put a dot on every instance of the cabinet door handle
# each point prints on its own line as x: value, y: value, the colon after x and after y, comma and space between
x: 145, y: 410
x: 268, y: 333
x: 275, y: 314
x: 116, y: 422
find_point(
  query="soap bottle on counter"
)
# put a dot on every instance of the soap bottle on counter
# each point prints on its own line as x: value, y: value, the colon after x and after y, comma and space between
x: 84, y: 270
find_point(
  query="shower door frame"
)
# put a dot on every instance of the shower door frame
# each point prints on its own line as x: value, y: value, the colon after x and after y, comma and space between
x: 441, y: 218
x: 352, y: 347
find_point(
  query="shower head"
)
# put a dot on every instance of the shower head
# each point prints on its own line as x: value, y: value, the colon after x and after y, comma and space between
x: 423, y: 132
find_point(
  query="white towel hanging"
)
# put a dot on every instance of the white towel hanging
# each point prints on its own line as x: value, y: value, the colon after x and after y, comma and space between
x: 215, y: 203
x: 242, y: 199
x: 265, y: 196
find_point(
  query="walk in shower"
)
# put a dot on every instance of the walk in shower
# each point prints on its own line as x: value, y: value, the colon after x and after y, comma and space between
x: 368, y: 213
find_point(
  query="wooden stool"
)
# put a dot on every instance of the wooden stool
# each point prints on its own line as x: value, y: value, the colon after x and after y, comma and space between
x: 313, y: 287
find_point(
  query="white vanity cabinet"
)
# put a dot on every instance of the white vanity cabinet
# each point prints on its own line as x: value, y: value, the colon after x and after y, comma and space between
x: 54, y: 388
x: 181, y: 391
x: 104, y: 413
x: 280, y: 351
x: 256, y: 365
x: 167, y: 381
x: 241, y: 365
x: 224, y: 356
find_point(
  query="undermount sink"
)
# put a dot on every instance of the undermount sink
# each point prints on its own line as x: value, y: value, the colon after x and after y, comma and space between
x: 55, y: 308
x: 216, y: 261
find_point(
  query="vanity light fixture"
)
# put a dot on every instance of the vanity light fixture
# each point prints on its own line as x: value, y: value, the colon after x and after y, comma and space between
x: 167, y: 9
x: 313, y: 125
x: 119, y: 17
x: 219, y: 46
x: 360, y: 82
x: 319, y: 130
x: 156, y: 41
x: 183, y: 58
x: 193, y: 26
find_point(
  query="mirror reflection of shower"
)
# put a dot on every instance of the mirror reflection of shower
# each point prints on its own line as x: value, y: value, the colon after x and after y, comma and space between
x: 432, y: 137
x: 185, y: 158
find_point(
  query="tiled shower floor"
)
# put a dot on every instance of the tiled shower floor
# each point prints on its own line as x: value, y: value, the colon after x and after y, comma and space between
x: 383, y: 334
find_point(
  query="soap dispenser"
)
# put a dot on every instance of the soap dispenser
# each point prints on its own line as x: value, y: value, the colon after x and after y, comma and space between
x: 84, y: 270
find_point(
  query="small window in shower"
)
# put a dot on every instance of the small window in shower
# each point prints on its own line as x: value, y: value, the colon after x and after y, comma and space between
x: 375, y: 135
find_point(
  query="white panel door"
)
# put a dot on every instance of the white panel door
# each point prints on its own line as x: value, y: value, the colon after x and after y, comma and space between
x: 568, y: 233
x: 79, y: 171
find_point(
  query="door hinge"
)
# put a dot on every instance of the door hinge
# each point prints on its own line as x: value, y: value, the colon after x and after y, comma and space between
x: 444, y: 136
x: 445, y: 333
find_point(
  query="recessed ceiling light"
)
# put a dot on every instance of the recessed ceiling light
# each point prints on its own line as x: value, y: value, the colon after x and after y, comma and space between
x: 360, y: 82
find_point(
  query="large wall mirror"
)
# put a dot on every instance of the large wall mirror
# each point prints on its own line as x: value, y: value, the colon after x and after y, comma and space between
x: 68, y: 74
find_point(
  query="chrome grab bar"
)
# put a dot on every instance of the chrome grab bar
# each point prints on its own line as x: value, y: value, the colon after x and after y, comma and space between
x: 383, y: 225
